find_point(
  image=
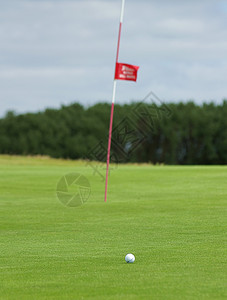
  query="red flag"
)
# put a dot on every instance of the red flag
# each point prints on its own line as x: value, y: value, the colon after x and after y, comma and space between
x: 126, y: 72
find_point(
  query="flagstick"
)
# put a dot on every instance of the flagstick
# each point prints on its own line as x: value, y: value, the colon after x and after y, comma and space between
x: 113, y: 100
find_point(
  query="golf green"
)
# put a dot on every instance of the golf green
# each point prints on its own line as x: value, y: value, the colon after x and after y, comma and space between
x: 172, y: 218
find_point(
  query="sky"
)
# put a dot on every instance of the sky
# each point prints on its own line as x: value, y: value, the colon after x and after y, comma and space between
x: 56, y: 52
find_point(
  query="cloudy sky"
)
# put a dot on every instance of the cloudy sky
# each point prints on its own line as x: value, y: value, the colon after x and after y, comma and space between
x: 55, y: 52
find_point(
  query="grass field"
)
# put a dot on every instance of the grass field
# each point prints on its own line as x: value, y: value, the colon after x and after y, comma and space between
x: 173, y: 218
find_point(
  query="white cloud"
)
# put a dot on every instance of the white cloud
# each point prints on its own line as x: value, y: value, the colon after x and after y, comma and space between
x: 53, y: 52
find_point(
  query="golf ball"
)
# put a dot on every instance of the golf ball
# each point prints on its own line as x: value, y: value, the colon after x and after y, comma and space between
x: 129, y: 258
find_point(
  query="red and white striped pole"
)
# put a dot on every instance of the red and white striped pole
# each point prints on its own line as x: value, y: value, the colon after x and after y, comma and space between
x: 113, y: 100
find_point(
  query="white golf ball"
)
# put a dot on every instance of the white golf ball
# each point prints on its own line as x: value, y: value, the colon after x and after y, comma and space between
x: 129, y: 258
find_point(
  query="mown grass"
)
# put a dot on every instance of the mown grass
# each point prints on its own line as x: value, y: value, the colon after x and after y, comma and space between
x: 172, y: 218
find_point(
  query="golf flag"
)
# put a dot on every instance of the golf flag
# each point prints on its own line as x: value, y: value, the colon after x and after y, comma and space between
x: 125, y: 72
x: 122, y: 72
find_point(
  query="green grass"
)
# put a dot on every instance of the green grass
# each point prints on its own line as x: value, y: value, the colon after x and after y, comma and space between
x: 173, y: 218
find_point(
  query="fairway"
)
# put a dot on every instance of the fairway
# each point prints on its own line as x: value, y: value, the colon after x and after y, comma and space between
x: 172, y: 218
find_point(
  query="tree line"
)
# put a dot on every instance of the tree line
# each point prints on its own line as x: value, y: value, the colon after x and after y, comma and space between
x: 174, y: 133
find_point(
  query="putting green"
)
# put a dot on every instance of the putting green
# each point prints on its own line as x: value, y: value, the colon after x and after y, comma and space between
x: 172, y: 218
